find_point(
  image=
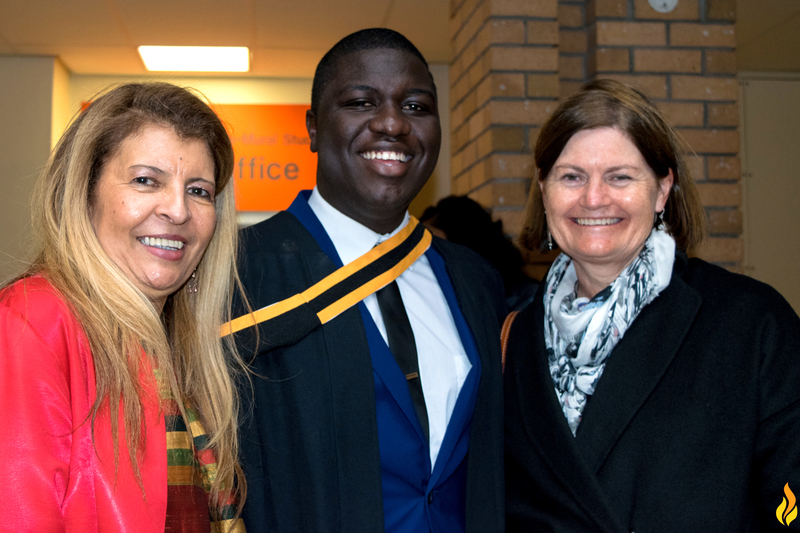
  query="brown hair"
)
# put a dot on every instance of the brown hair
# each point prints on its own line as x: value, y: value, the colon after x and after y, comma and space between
x: 607, y: 103
x: 182, y: 341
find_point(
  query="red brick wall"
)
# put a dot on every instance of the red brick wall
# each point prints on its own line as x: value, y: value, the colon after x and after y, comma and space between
x: 685, y: 61
x: 514, y: 59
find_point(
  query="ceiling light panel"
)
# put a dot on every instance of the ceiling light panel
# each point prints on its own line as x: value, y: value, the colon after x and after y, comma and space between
x: 196, y: 58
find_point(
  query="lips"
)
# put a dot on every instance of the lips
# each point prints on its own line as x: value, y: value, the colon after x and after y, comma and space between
x: 167, y: 247
x: 596, y: 221
x: 390, y: 164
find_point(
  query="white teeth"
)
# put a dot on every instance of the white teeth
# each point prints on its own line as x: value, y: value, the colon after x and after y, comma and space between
x: 386, y: 156
x: 165, y: 244
x: 597, y: 221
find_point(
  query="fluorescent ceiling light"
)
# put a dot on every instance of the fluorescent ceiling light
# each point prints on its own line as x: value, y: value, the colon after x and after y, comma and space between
x: 196, y: 58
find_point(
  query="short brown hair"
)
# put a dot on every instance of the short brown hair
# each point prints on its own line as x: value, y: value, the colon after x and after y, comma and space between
x: 607, y: 103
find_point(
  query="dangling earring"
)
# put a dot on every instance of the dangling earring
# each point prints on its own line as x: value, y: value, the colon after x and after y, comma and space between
x: 191, y: 286
x: 660, y: 219
x: 549, y: 240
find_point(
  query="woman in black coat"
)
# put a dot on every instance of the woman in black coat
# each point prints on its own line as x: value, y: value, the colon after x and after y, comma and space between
x: 645, y: 391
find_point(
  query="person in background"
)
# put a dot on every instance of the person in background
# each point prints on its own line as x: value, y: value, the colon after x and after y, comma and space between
x: 119, y: 409
x: 644, y: 391
x: 464, y: 221
x: 388, y: 416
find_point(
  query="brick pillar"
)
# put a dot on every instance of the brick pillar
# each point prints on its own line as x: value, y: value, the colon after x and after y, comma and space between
x: 685, y: 61
x: 504, y: 83
x: 572, y: 45
x: 513, y: 59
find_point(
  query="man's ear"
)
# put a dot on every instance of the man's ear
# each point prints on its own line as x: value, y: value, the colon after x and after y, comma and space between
x: 311, y: 127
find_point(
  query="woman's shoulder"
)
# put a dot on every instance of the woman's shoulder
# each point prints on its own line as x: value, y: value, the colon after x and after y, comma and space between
x: 722, y: 289
x: 33, y: 293
x: 35, y: 301
x: 707, y: 277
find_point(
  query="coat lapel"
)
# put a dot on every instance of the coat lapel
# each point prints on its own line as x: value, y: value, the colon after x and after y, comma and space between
x: 545, y: 424
x: 631, y: 374
x: 383, y: 362
x: 453, y: 446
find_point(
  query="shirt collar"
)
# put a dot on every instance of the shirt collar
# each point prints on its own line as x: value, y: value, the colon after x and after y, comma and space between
x: 351, y: 239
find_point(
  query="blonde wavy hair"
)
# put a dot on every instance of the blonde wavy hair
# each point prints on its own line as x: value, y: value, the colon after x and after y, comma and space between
x: 182, y: 341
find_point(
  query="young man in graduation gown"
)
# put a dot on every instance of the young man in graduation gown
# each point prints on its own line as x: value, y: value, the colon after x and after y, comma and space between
x: 388, y: 416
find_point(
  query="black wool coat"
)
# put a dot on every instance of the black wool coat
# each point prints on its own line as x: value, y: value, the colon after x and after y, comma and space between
x: 694, y: 425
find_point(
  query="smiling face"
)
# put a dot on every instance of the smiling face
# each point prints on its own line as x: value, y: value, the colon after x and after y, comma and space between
x: 600, y: 198
x: 153, y: 209
x: 377, y: 134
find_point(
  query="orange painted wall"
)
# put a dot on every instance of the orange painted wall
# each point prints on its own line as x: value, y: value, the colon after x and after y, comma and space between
x: 273, y: 159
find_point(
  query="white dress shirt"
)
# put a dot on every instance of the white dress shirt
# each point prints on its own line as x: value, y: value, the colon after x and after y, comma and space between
x: 443, y: 363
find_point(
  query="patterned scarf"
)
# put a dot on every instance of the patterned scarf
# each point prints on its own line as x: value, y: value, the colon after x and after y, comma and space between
x: 581, y: 333
x: 191, y: 469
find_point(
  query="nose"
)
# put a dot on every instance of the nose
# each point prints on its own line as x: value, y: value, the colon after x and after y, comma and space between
x: 174, y: 206
x: 594, y: 193
x: 390, y: 120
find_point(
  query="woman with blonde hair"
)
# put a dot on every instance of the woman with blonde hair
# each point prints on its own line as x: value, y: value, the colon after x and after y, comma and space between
x: 120, y: 410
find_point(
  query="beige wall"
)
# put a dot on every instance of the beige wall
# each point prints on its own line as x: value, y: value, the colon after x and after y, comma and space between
x: 62, y: 109
x: 219, y: 90
x: 26, y: 116
x: 771, y: 188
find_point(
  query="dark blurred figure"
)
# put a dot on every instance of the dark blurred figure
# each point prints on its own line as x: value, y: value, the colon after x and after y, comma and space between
x: 464, y: 221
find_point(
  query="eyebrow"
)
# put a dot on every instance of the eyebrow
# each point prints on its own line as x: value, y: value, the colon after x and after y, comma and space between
x: 193, y: 180
x: 422, y: 91
x: 364, y: 88
x: 154, y: 169
x: 368, y: 88
x: 163, y: 173
x: 611, y: 169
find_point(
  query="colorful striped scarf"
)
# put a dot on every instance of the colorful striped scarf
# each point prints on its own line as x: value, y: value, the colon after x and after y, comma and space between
x: 191, y: 469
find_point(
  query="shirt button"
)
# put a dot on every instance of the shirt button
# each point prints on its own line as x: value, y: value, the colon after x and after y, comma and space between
x: 430, y: 498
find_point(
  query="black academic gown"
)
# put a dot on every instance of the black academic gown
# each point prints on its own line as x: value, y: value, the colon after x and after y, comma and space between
x: 694, y: 425
x: 309, y: 439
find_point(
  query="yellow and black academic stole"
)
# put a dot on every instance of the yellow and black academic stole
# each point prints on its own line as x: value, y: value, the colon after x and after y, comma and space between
x: 289, y: 320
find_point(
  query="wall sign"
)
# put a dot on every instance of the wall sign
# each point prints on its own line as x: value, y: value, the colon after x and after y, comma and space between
x: 273, y: 159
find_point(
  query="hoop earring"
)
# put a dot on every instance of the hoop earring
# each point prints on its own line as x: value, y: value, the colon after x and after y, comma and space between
x: 191, y: 285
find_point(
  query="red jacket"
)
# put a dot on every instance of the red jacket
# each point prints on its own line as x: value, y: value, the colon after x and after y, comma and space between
x: 55, y: 476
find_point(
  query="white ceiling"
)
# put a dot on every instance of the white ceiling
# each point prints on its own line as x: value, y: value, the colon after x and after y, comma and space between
x: 288, y: 37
